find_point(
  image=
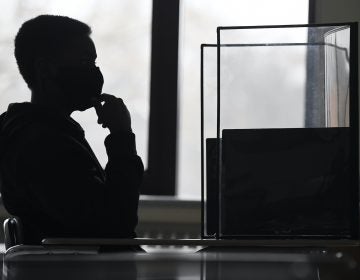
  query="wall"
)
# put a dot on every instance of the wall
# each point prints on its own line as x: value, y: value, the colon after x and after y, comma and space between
x: 337, y: 10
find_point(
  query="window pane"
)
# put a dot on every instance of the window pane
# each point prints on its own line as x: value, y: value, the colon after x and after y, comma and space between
x: 121, y: 32
x: 199, y: 20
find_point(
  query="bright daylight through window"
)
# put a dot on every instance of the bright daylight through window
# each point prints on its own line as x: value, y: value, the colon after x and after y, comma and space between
x: 122, y: 35
x: 123, y: 55
x: 198, y: 22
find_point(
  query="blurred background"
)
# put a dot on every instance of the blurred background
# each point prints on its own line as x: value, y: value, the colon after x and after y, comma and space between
x: 122, y: 32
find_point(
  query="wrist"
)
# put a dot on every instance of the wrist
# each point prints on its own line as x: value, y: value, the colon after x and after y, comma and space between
x: 119, y: 143
x: 120, y: 130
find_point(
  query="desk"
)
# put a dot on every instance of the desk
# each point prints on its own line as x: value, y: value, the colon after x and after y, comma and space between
x: 229, y: 262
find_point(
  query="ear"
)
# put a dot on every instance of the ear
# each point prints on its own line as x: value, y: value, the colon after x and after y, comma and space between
x: 44, y: 68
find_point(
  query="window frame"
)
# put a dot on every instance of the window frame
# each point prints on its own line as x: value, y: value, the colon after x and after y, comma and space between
x: 160, y: 176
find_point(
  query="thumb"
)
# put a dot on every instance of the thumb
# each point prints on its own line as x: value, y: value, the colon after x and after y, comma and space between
x: 98, y: 110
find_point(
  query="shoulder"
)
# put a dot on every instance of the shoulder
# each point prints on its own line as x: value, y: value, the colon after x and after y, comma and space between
x: 40, y: 141
x: 43, y: 135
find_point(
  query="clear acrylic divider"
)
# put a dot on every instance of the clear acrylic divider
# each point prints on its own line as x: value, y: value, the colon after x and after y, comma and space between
x: 210, y: 199
x: 286, y: 149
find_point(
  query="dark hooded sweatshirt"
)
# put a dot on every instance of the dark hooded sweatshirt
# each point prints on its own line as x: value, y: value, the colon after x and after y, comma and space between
x: 51, y: 179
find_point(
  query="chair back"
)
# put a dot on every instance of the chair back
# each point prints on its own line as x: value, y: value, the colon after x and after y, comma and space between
x: 13, y: 233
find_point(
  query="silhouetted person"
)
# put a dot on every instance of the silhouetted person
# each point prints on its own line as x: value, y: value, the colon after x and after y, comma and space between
x: 50, y: 177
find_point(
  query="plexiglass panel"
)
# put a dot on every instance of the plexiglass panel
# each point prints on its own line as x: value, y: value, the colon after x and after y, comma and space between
x: 282, y: 175
x: 209, y: 141
x: 287, y: 160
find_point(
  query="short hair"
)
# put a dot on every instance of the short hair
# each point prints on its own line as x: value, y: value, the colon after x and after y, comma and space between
x: 44, y: 36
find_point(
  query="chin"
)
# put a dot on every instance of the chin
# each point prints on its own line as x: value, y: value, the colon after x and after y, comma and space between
x: 83, y: 107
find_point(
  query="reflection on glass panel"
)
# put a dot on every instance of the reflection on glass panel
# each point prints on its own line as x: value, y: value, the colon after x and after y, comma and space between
x: 121, y: 32
x: 199, y: 20
x: 337, y: 77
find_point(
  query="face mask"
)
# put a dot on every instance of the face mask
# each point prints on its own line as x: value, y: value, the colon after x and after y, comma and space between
x: 80, y: 84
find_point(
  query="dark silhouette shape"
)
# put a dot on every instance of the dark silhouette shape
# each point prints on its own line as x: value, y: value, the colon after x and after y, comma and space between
x: 50, y: 177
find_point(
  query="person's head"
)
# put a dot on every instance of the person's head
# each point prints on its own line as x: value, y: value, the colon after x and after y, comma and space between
x: 56, y: 57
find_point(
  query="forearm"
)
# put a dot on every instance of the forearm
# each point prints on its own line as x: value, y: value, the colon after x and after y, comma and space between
x: 124, y: 172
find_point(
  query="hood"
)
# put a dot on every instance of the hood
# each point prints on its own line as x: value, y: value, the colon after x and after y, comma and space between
x: 15, y: 119
x: 21, y: 115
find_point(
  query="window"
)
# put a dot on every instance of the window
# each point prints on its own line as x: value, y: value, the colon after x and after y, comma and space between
x: 199, y: 20
x: 139, y: 44
x: 121, y: 32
